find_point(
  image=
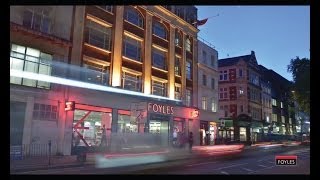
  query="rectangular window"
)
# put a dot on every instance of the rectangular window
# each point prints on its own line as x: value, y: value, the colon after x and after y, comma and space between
x: 225, y: 75
x: 159, y: 88
x: 189, y: 69
x: 204, y: 57
x: 177, y: 66
x: 241, y: 91
x: 132, y: 48
x: 188, y: 45
x: 274, y: 117
x: 98, y: 35
x: 212, y: 83
x: 274, y: 102
x: 96, y: 73
x: 159, y: 59
x: 30, y: 60
x: 226, y: 110
x: 281, y: 104
x: 213, y: 105
x: 225, y: 93
x: 221, y: 93
x: 37, y: 19
x: 283, y: 119
x: 131, y: 81
x: 126, y: 125
x: 188, y: 97
x: 241, y: 108
x: 240, y: 72
x: 177, y: 91
x: 107, y: 8
x: 204, y: 103
x: 204, y: 80
x: 45, y: 112
x: 213, y: 61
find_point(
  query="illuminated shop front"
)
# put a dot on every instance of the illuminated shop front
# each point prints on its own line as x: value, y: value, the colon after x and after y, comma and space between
x: 101, y: 129
x: 208, y: 133
x: 226, y: 131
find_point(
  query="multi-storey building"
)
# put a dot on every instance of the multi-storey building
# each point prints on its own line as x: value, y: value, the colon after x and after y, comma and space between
x: 266, y: 100
x: 240, y: 98
x: 208, y: 93
x: 143, y: 60
x: 39, y: 35
x: 282, y: 122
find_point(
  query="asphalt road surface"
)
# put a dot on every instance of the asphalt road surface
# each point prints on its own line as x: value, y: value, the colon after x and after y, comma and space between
x: 260, y: 161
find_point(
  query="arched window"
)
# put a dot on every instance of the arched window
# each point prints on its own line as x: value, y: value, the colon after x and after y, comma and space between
x: 159, y: 30
x: 133, y: 17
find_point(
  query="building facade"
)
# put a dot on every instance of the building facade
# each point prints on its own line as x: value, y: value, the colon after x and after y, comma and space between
x: 143, y: 60
x: 208, y: 93
x: 239, y: 98
x: 38, y: 35
x: 283, y: 121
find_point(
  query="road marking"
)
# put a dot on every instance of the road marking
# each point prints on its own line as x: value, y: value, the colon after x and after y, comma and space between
x: 247, y: 169
x: 201, y: 163
x: 223, y: 172
x: 262, y: 165
x: 260, y: 169
x: 231, y: 166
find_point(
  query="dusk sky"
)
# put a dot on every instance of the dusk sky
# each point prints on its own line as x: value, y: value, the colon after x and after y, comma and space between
x: 277, y: 34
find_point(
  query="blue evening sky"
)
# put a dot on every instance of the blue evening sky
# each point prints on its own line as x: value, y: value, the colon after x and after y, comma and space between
x: 277, y: 34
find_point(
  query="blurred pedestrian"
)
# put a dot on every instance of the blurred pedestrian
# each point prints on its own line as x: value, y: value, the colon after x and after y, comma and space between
x: 190, y: 140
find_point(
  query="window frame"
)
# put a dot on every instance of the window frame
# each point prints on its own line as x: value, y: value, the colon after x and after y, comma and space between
x: 135, y: 15
x: 159, y: 30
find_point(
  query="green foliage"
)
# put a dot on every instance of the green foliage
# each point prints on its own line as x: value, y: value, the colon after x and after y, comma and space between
x: 300, y: 69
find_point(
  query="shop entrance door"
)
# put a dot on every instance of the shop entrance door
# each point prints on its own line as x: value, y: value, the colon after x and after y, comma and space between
x: 160, y: 128
x: 17, y: 116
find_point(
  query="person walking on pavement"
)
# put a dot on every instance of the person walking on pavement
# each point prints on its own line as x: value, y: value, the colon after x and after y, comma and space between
x: 103, y: 143
x: 190, y: 139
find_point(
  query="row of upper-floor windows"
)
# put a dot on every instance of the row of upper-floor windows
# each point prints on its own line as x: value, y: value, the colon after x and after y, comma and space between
x: 100, y: 36
x: 205, y: 103
x: 39, y: 20
x: 213, y: 61
x: 206, y: 83
x: 224, y: 75
x: 33, y: 60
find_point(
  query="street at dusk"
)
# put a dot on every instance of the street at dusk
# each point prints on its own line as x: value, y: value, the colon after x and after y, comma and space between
x: 257, y: 161
x: 159, y: 89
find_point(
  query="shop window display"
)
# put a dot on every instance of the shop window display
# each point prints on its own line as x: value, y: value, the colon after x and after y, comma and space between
x: 89, y: 126
x: 243, y: 134
x: 125, y: 125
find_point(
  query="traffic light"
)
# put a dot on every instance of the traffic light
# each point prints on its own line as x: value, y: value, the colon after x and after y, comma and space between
x: 69, y: 106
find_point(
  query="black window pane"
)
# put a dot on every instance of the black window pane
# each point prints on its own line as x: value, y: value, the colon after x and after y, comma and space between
x: 54, y: 108
x: 43, y: 107
x: 35, y: 115
x: 53, y: 115
x: 27, y: 19
x: 36, y: 106
x: 42, y: 115
x: 48, y: 108
x: 47, y: 115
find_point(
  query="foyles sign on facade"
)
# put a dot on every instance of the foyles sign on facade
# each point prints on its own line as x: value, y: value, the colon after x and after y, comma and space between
x: 159, y: 108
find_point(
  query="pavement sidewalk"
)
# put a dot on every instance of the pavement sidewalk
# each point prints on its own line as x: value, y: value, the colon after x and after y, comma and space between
x: 56, y: 162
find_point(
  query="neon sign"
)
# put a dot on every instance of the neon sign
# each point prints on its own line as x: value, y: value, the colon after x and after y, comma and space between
x: 157, y: 108
x: 70, y: 106
x: 195, y: 113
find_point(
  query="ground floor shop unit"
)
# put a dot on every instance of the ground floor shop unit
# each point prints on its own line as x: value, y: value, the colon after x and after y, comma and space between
x: 101, y: 121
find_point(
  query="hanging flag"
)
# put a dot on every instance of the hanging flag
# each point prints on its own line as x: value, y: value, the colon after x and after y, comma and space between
x: 201, y: 22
